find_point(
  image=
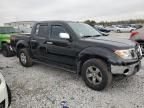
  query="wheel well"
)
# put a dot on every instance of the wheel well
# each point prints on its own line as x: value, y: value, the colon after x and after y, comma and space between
x: 87, y: 57
x: 20, y: 46
x: 3, y: 42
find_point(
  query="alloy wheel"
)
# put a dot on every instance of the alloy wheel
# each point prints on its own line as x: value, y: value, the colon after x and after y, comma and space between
x: 94, y: 75
x: 23, y: 58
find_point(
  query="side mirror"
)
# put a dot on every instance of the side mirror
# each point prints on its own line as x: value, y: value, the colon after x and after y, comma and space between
x: 64, y: 36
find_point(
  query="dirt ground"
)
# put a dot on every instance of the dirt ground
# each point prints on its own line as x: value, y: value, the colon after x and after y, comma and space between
x: 42, y: 86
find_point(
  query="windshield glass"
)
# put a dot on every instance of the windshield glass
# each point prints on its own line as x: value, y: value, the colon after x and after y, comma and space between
x: 7, y: 30
x: 84, y: 30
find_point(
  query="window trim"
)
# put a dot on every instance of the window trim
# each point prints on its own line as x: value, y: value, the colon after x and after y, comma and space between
x: 41, y: 24
x: 51, y: 32
x: 37, y: 29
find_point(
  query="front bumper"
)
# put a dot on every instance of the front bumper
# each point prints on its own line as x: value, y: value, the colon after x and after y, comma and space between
x: 126, y: 70
x: 3, y: 93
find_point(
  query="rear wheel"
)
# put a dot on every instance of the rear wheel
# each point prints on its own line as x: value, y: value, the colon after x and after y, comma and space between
x: 24, y: 57
x: 96, y: 75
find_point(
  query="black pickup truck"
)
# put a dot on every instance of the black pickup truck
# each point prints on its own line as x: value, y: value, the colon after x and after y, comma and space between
x: 78, y: 47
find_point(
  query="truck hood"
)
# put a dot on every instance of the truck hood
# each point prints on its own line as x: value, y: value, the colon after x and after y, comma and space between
x: 111, y: 42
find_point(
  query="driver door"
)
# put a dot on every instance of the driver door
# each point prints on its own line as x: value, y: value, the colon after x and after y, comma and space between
x: 59, y: 49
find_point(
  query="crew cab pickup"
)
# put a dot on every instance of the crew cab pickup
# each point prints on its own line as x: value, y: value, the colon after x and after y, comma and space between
x: 78, y: 47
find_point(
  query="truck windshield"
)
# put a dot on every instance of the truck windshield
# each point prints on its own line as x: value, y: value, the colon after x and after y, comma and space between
x: 84, y: 30
x: 7, y: 30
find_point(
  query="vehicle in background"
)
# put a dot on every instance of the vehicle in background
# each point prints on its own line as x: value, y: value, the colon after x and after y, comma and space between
x: 26, y: 30
x: 80, y: 48
x: 103, y: 33
x: 123, y: 28
x: 137, y: 26
x: 111, y: 28
x: 5, y: 94
x: 5, y: 33
x: 101, y: 28
x: 138, y: 37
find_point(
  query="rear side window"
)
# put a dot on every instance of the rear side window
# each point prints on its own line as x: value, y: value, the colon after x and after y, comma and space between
x: 56, y: 30
x: 42, y: 30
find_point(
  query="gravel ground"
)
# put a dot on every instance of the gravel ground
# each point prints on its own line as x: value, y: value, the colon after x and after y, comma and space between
x: 42, y: 86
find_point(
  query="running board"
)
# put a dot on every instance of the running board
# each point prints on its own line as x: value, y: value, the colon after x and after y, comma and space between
x: 57, y: 65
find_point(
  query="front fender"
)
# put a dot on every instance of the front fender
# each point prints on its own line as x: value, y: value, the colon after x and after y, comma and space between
x: 21, y: 43
x: 99, y: 52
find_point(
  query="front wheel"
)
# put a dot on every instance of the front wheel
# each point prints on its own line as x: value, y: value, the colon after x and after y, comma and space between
x: 24, y: 57
x: 96, y: 75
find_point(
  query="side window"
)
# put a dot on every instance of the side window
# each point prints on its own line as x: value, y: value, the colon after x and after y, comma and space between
x: 56, y: 30
x: 42, y: 30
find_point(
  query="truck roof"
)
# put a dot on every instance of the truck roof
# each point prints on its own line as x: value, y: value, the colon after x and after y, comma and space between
x: 55, y: 21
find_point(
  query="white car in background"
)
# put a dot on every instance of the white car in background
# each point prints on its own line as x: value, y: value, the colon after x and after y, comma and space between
x: 5, y: 95
x: 111, y: 28
x: 122, y: 28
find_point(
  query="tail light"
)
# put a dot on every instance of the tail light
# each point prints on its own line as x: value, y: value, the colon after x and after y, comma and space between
x: 133, y: 34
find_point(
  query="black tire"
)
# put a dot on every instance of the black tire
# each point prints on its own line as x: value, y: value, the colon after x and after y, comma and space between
x: 118, y: 31
x: 28, y: 60
x: 131, y: 30
x: 5, y: 50
x: 9, y: 95
x: 106, y: 76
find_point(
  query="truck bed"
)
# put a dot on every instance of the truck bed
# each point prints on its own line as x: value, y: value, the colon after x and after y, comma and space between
x: 17, y: 37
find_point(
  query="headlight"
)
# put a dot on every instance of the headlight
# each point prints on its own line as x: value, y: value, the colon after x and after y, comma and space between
x: 126, y: 54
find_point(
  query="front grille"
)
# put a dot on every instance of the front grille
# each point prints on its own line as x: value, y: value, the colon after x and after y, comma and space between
x: 133, y: 53
x: 2, y: 104
x: 138, y: 51
x: 142, y: 47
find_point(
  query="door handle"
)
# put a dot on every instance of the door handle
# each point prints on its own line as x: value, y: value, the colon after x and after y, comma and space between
x: 49, y: 43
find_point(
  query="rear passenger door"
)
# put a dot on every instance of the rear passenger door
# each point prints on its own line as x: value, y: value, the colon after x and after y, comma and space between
x: 38, y: 41
x: 60, y: 50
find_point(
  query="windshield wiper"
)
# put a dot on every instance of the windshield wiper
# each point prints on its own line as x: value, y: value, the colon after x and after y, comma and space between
x: 97, y: 35
x: 87, y: 36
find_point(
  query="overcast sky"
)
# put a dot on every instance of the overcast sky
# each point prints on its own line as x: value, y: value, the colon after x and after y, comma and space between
x: 99, y: 10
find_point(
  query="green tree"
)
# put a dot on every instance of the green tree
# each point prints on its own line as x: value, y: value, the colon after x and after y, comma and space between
x: 90, y: 22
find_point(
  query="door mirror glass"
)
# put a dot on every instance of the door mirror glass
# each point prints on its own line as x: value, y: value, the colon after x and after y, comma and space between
x: 64, y: 35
